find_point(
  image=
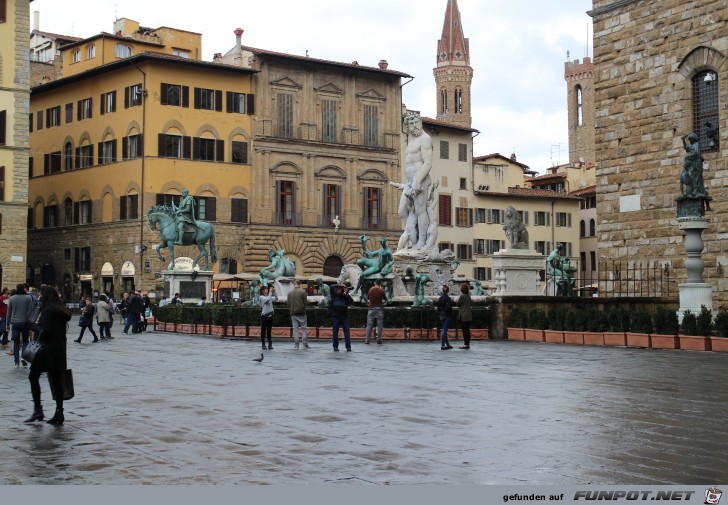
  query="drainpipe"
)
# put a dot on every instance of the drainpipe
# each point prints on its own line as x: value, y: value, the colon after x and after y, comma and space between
x: 141, y: 189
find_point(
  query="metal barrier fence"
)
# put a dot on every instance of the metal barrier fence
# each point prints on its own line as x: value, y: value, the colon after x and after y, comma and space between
x: 627, y: 279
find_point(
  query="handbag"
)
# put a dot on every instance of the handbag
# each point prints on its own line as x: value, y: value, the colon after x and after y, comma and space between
x: 33, y: 351
x: 67, y: 380
x: 81, y: 321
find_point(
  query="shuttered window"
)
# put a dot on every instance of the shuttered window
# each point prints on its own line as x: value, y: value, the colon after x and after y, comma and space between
x: 371, y: 125
x: 373, y: 208
x: 3, y: 127
x: 328, y: 120
x: 175, y: 94
x: 445, y: 210
x: 239, y: 210
x: 444, y: 150
x: 285, y: 115
x: 331, y: 203
x: 239, y: 152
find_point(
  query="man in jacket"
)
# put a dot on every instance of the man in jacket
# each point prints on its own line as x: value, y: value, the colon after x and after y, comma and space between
x: 297, y: 299
x: 18, y: 318
x: 134, y: 309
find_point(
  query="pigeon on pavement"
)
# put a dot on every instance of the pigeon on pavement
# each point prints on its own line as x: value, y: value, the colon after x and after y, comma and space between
x: 258, y: 359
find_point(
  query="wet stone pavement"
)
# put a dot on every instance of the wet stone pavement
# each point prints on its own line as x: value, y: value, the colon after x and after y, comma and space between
x: 180, y: 409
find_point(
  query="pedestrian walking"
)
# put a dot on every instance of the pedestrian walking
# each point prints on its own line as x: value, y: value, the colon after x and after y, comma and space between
x: 4, y: 300
x: 87, y: 318
x: 18, y: 321
x: 297, y: 299
x: 375, y: 314
x: 465, y: 315
x: 123, y: 307
x: 444, y: 308
x: 146, y: 310
x: 54, y: 318
x: 267, y: 298
x: 103, y: 316
x: 340, y: 301
x: 134, y: 309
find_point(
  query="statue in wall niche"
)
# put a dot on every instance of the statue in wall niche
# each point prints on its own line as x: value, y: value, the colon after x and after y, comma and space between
x: 515, y: 230
x: 692, y: 185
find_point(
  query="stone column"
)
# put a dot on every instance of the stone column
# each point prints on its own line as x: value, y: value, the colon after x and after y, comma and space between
x: 695, y: 292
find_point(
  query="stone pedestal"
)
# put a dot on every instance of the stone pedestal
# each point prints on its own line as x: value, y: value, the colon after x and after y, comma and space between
x: 516, y: 272
x: 190, y: 284
x: 695, y: 292
x: 439, y: 272
x: 283, y: 285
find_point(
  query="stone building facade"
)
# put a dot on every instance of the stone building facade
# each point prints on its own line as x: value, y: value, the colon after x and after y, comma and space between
x: 14, y: 141
x: 660, y: 73
x: 326, y: 144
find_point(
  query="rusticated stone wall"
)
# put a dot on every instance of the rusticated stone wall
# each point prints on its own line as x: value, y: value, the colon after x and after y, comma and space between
x: 646, y: 52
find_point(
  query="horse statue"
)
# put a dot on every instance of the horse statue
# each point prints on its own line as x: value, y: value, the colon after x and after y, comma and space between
x: 162, y: 218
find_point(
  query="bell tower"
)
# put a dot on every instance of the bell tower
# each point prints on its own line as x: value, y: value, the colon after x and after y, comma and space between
x: 453, y: 74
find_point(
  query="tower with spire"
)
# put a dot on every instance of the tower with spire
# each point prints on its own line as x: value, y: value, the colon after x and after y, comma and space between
x: 453, y: 73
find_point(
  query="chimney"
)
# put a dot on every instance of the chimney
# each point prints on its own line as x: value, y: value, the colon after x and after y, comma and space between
x: 217, y: 58
x: 36, y: 20
x: 383, y: 64
x: 238, y: 47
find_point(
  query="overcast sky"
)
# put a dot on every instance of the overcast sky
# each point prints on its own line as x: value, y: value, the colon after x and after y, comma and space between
x: 517, y: 50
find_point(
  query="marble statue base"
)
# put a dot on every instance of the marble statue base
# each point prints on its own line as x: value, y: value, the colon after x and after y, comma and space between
x: 190, y: 284
x: 283, y: 285
x: 516, y: 272
x: 440, y: 274
x: 692, y: 296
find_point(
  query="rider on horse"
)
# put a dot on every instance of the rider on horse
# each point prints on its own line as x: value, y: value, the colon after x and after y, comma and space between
x: 184, y: 213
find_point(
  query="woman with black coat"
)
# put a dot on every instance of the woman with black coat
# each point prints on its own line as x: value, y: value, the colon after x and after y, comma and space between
x: 444, y: 308
x: 54, y: 317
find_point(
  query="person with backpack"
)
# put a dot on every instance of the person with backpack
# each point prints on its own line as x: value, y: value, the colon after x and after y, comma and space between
x: 340, y: 301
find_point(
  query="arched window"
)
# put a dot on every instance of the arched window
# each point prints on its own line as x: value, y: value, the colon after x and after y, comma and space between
x: 228, y: 266
x: 582, y: 228
x: 592, y: 228
x: 443, y: 100
x: 705, y: 109
x: 579, y: 107
x: 68, y: 156
x: 459, y: 101
x: 333, y: 266
x: 68, y: 211
x: 123, y: 51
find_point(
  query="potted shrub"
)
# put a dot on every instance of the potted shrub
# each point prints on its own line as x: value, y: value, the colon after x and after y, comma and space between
x: 689, y: 338
x: 535, y: 326
x: 573, y: 332
x: 515, y: 329
x: 618, y: 322
x: 641, y: 327
x: 720, y: 342
x: 554, y: 331
x: 592, y: 323
x: 666, y: 329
